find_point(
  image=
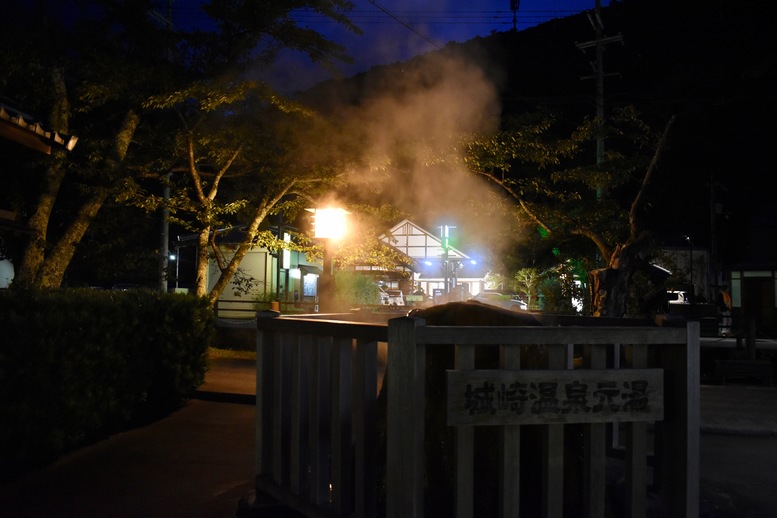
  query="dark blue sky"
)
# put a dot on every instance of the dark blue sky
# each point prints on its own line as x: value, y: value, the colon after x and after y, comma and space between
x: 397, y: 30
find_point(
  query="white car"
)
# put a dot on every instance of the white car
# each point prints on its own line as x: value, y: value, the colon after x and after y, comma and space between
x: 678, y: 297
x: 496, y: 298
x: 392, y: 297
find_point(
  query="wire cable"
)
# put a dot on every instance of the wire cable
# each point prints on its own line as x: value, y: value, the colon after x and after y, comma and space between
x: 407, y: 26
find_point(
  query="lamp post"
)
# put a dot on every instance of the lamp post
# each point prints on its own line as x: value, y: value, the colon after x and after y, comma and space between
x: 690, y: 261
x: 329, y: 225
x: 177, y: 265
x: 445, y: 234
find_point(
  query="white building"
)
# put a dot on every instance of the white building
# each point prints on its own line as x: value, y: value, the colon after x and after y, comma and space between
x: 438, y: 265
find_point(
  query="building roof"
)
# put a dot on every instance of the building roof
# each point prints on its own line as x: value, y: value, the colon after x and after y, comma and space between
x: 25, y: 130
x: 418, y: 243
x: 8, y: 222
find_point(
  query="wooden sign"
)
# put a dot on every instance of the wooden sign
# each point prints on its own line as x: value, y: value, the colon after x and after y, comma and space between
x: 502, y: 397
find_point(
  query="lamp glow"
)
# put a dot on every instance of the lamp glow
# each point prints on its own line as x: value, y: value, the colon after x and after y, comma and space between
x: 329, y: 223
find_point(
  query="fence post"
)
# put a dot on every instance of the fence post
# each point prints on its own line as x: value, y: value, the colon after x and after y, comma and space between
x: 680, y: 459
x: 405, y: 420
x: 264, y: 395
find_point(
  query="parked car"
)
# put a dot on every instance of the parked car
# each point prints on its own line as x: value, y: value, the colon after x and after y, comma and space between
x: 392, y: 297
x: 678, y: 297
x: 502, y: 300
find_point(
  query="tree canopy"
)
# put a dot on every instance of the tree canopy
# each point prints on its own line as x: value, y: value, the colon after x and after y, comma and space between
x: 145, y: 97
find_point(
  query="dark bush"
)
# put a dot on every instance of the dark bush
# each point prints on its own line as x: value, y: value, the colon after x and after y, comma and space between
x: 78, y: 365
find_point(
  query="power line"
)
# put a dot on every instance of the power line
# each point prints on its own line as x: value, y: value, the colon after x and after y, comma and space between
x: 191, y: 15
x: 407, y: 26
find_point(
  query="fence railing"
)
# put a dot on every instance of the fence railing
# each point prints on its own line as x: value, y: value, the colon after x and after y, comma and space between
x: 317, y: 427
x: 316, y: 393
x: 246, y: 309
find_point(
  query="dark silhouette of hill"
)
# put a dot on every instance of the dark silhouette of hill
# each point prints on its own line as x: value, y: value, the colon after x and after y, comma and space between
x: 711, y: 64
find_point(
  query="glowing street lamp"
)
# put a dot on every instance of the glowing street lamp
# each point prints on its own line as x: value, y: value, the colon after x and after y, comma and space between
x: 330, y: 225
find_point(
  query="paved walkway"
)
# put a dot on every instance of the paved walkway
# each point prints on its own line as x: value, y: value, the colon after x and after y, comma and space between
x: 739, y: 409
x: 198, y: 462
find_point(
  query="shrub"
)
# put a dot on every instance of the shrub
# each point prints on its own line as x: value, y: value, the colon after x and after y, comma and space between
x: 77, y: 365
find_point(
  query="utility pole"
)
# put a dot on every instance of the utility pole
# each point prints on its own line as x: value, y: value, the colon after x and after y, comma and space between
x: 164, y: 246
x: 598, y: 66
x: 514, y: 8
x: 164, y: 238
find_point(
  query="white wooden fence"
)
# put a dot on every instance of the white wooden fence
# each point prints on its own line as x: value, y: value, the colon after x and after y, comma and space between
x: 317, y: 433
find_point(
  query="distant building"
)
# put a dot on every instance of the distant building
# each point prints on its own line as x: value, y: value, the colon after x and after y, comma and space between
x: 441, y: 271
x: 289, y: 278
x: 264, y: 275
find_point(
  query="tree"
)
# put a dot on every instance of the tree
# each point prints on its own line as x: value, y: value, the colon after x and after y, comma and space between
x: 92, y: 82
x: 95, y: 77
x: 527, y: 281
x: 576, y: 203
x: 237, y: 162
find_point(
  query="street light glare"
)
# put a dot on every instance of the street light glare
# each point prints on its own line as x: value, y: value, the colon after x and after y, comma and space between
x: 329, y: 223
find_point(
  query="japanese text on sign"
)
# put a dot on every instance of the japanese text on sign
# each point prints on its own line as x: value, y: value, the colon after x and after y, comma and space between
x: 541, y: 397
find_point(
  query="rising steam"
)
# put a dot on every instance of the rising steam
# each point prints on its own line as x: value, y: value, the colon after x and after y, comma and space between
x: 408, y: 119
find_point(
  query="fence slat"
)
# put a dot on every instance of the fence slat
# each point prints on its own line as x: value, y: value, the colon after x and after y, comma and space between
x: 320, y: 422
x: 465, y: 445
x: 281, y: 413
x: 365, y: 414
x: 342, y: 453
x: 553, y: 446
x: 595, y: 438
x: 636, y: 447
x: 264, y: 398
x: 300, y: 408
x: 510, y: 466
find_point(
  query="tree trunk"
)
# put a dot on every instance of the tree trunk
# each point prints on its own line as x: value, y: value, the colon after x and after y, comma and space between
x: 242, y: 249
x: 35, y: 252
x: 48, y: 269
x: 53, y: 269
x: 609, y: 287
x: 201, y: 281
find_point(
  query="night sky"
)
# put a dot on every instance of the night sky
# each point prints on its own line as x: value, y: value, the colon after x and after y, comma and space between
x: 397, y: 30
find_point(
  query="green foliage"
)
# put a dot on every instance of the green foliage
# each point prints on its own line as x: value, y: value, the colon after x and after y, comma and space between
x: 559, y: 290
x: 547, y: 169
x: 495, y: 280
x: 355, y: 289
x: 526, y: 282
x: 591, y: 213
x: 77, y: 365
x: 136, y: 90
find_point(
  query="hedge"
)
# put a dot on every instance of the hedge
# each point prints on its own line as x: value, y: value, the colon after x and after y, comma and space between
x: 79, y: 365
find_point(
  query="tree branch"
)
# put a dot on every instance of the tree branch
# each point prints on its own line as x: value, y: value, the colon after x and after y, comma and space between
x: 637, y: 203
x: 517, y: 197
x: 215, y: 187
